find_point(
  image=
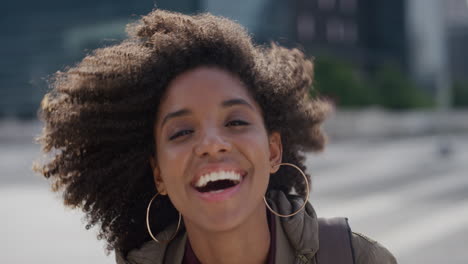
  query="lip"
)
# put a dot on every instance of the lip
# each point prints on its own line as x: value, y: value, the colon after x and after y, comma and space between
x: 220, y: 196
x: 226, y: 193
x: 216, y: 168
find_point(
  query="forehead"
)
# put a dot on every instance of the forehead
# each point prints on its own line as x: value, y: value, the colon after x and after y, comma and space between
x: 201, y: 87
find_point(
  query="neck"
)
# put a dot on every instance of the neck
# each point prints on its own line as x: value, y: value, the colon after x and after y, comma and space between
x: 247, y: 243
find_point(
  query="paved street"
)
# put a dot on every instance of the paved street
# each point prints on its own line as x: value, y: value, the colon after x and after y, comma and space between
x: 399, y: 192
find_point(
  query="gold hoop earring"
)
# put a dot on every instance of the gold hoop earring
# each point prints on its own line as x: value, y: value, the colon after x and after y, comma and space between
x: 307, y: 197
x: 149, y: 228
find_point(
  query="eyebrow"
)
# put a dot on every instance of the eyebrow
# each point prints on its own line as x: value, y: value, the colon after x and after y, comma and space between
x: 185, y: 111
x: 236, y: 101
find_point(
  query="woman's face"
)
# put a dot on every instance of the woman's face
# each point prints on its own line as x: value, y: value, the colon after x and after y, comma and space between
x: 213, y: 153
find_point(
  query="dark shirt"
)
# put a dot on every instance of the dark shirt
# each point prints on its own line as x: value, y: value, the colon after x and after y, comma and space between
x: 190, y: 258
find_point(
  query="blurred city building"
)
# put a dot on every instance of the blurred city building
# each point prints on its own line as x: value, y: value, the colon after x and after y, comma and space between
x: 366, y: 32
x: 457, y: 30
x: 39, y: 38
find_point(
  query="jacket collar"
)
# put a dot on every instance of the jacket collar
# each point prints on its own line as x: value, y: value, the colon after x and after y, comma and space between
x: 295, y: 235
x: 152, y: 252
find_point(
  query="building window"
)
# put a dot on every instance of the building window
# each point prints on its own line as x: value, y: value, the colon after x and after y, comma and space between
x: 457, y: 11
x: 350, y: 32
x: 341, y: 31
x: 348, y: 6
x: 326, y: 4
x: 335, y: 30
x: 305, y: 27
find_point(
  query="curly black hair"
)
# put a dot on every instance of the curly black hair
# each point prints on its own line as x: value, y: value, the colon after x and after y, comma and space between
x: 98, y: 116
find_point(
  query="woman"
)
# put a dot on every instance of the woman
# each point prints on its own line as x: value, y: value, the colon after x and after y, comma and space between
x: 171, y: 140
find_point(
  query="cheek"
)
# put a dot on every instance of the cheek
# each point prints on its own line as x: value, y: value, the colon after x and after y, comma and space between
x: 173, y: 154
x: 172, y: 162
x: 259, y: 154
x: 257, y: 147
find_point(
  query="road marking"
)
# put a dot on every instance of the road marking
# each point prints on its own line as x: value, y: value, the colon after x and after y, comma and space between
x: 387, y: 201
x: 424, y: 229
x: 35, y: 222
x: 392, y: 164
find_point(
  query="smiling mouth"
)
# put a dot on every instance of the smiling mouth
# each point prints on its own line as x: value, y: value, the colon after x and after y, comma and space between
x: 216, y: 182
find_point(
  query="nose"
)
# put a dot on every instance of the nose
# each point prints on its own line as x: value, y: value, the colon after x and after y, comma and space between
x: 212, y: 143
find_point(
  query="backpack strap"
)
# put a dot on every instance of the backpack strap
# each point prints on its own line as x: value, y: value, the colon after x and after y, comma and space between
x: 335, y: 241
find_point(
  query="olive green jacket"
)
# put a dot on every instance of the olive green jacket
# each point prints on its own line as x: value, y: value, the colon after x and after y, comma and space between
x: 296, y: 240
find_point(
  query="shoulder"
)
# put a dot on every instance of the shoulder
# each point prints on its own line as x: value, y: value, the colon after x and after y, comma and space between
x: 150, y: 252
x: 369, y: 251
x: 119, y: 258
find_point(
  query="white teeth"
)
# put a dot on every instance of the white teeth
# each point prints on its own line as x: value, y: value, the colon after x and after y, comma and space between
x: 216, y: 176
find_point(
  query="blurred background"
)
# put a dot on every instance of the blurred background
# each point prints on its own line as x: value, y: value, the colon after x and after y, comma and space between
x: 397, y: 71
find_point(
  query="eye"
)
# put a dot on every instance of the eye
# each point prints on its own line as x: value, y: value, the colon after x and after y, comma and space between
x: 180, y: 134
x: 237, y: 123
